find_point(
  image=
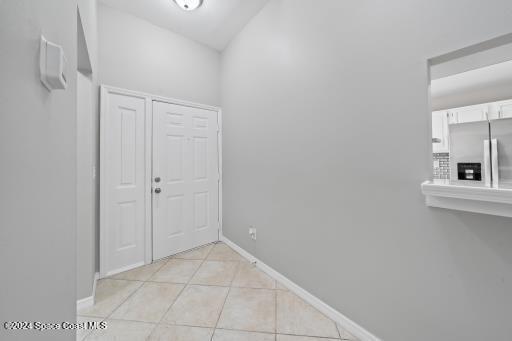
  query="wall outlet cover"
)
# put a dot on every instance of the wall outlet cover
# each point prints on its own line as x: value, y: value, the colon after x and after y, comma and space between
x: 252, y: 232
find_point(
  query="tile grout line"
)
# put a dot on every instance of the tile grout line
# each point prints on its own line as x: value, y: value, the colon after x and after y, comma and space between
x: 90, y: 331
x: 117, y: 307
x: 338, y: 329
x: 139, y: 280
x: 276, y: 291
x: 133, y: 293
x: 182, y: 289
x: 275, y: 308
x: 166, y: 260
x: 239, y: 264
x: 238, y: 269
x: 118, y: 279
x: 269, y: 333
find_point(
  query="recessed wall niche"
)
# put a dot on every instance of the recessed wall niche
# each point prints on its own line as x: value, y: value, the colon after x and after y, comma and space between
x: 470, y: 90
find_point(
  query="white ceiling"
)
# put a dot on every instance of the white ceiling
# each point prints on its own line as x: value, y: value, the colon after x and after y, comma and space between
x: 482, y: 85
x: 214, y: 24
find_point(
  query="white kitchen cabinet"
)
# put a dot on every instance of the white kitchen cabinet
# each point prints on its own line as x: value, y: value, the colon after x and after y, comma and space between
x: 440, y: 137
x: 472, y: 113
x: 504, y: 109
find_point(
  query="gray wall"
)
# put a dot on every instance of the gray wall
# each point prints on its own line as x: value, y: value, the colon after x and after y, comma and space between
x: 87, y: 156
x: 137, y: 55
x: 317, y: 99
x: 38, y: 170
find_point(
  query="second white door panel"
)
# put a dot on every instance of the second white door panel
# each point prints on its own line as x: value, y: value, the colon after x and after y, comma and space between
x: 125, y: 182
x: 185, y: 158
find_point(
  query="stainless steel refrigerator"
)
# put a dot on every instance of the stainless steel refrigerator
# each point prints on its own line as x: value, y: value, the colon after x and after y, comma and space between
x: 481, y: 153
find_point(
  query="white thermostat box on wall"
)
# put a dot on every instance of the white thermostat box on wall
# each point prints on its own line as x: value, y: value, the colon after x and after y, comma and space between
x: 53, y: 65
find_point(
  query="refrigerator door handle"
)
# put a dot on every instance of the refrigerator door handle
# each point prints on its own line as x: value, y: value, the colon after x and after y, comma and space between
x: 487, y: 163
x: 494, y: 164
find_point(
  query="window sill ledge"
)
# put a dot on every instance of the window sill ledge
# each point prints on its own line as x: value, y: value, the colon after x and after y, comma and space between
x: 484, y: 200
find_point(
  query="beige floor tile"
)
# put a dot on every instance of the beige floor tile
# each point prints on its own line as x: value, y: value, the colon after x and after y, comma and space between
x: 295, y: 316
x: 232, y: 335
x: 82, y: 333
x: 249, y: 276
x: 176, y: 271
x: 215, y: 273
x: 110, y: 293
x: 122, y: 331
x: 345, y: 335
x: 301, y: 338
x: 142, y: 273
x: 149, y: 303
x: 250, y: 310
x: 199, y: 253
x: 197, y: 306
x: 180, y: 333
x: 280, y: 286
x: 223, y: 252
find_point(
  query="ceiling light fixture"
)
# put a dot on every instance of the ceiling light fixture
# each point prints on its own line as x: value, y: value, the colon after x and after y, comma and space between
x: 189, y: 5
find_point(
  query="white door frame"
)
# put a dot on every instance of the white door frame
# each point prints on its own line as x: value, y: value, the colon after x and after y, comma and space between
x: 148, y: 245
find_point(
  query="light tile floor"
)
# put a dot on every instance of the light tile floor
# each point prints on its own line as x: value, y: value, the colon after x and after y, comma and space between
x: 207, y: 294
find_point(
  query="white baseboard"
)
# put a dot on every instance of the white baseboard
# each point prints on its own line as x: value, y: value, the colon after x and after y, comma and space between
x: 123, y: 269
x: 323, y: 307
x: 88, y: 301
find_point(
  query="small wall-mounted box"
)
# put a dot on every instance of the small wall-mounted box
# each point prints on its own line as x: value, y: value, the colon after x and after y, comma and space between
x: 52, y: 64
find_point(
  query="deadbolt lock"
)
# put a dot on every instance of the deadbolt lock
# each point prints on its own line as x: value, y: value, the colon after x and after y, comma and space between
x: 157, y: 179
x: 158, y: 190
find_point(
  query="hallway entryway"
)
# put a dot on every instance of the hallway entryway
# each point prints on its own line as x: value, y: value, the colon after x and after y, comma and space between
x: 209, y: 293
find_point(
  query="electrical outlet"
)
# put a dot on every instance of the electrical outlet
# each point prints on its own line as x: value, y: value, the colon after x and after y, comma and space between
x: 252, y: 232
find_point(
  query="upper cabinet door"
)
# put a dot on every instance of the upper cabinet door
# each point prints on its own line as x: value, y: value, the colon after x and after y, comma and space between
x: 504, y: 109
x: 440, y: 138
x: 469, y: 114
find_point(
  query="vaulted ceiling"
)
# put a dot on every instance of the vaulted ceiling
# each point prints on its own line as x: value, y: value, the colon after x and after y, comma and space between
x: 214, y: 24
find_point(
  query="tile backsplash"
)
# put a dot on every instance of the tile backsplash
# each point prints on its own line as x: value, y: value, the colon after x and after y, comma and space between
x: 441, y: 165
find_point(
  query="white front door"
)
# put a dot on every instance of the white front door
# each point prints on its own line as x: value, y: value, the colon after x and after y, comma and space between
x: 185, y: 178
x: 123, y: 182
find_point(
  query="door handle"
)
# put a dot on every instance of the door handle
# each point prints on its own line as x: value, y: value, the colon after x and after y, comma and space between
x: 487, y: 163
x: 494, y: 164
x: 158, y: 190
x: 157, y: 179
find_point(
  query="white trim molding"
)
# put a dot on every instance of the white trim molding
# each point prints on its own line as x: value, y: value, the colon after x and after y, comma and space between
x: 485, y: 200
x: 219, y: 148
x: 88, y: 301
x: 346, y: 323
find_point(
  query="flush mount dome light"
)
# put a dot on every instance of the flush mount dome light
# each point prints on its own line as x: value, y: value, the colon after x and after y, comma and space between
x: 189, y: 5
